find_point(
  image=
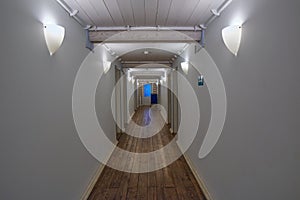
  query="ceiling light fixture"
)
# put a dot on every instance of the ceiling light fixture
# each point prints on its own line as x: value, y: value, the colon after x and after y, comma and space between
x: 54, y: 36
x: 185, y: 67
x: 146, y: 52
x: 106, y: 66
x: 232, y: 36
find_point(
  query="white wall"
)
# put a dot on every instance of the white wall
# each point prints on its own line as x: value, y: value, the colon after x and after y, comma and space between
x: 130, y: 99
x: 257, y: 156
x: 164, y: 98
x: 124, y: 103
x: 174, y: 103
x: 103, y: 100
x: 41, y: 154
x: 118, y: 101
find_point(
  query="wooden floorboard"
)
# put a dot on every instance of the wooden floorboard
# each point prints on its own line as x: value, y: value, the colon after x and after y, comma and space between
x: 175, y: 181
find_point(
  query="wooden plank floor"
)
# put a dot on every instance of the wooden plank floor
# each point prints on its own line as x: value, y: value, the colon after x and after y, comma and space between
x: 175, y: 181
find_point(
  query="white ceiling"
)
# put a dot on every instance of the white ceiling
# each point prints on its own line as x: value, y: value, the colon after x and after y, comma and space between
x: 153, y: 55
x: 144, y: 12
x: 106, y: 13
x: 135, y: 51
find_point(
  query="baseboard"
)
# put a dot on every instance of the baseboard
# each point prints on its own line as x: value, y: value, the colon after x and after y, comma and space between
x: 130, y: 118
x: 94, y: 179
x: 198, y: 178
x: 172, y: 131
x: 93, y: 182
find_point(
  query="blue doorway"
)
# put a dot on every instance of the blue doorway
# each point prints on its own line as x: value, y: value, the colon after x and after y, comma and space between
x: 147, y: 90
x: 153, y: 98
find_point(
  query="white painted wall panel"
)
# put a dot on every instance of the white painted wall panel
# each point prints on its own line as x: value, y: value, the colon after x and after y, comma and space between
x: 113, y: 8
x: 151, y: 11
x: 139, y: 12
x: 163, y: 10
x: 126, y: 11
x: 144, y: 12
x: 82, y: 12
x: 102, y: 13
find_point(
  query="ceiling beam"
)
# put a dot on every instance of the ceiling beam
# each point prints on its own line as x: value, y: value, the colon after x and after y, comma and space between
x: 148, y: 73
x: 117, y: 36
x: 148, y: 77
x: 146, y: 62
x: 153, y: 64
x: 150, y: 66
x: 147, y: 28
x: 138, y: 65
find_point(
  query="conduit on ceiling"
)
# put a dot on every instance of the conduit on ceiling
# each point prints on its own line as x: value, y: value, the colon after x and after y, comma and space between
x: 215, y: 13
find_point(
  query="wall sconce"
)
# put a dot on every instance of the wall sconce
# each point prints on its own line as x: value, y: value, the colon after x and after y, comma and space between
x: 54, y: 36
x: 185, y: 67
x: 232, y: 36
x: 106, y: 66
x: 163, y: 79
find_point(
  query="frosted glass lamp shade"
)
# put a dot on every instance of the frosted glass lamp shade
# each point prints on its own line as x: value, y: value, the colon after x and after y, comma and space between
x: 54, y: 36
x: 106, y: 66
x: 185, y: 67
x: 232, y: 36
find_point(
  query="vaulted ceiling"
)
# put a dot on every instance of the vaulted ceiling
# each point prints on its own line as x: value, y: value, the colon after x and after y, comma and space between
x: 133, y: 54
x: 103, y: 13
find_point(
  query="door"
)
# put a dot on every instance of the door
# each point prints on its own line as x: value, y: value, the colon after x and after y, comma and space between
x: 147, y: 95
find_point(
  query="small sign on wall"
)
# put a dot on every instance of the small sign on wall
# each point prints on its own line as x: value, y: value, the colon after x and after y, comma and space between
x: 200, y: 80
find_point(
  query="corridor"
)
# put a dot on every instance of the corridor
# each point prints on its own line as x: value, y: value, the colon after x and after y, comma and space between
x: 99, y: 97
x: 175, y: 181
